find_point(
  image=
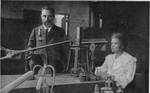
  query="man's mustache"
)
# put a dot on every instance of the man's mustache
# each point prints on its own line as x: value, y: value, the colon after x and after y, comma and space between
x: 47, y: 22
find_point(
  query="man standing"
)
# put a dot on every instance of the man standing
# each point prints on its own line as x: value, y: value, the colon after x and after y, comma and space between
x: 44, y: 34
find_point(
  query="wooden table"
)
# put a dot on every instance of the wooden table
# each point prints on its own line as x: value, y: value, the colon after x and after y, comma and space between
x: 62, y: 80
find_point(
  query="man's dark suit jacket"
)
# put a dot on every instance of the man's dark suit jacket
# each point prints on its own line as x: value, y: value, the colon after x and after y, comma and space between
x: 56, y: 55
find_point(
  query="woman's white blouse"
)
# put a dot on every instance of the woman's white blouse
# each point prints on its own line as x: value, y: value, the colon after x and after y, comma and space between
x: 122, y: 68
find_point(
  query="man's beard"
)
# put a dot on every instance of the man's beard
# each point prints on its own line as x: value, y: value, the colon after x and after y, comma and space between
x: 48, y: 24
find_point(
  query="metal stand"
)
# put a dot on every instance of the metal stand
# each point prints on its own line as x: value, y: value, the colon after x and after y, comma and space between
x: 92, y: 57
x: 76, y: 53
x: 42, y: 85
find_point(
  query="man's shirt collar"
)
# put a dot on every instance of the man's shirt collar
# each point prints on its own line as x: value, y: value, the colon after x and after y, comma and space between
x: 49, y: 28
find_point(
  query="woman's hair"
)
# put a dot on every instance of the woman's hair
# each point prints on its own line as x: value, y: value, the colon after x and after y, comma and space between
x: 122, y: 39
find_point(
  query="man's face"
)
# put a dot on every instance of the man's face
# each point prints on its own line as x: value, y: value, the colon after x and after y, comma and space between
x: 115, y: 45
x: 47, y: 17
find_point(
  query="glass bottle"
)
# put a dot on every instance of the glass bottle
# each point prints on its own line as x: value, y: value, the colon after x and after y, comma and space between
x: 108, y: 82
x: 120, y: 90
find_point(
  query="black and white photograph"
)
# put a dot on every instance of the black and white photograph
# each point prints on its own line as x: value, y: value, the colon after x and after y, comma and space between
x: 89, y: 46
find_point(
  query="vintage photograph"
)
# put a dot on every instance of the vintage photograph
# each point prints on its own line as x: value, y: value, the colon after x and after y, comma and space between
x: 51, y: 46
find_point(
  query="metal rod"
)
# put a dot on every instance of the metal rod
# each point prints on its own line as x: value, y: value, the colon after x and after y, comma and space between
x: 31, y: 49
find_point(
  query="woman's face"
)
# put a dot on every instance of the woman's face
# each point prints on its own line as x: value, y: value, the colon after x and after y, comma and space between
x: 115, y: 45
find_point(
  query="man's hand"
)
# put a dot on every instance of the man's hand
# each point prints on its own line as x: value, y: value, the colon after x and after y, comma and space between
x: 11, y: 53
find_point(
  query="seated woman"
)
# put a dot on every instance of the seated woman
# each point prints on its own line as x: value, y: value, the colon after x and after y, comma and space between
x: 120, y: 65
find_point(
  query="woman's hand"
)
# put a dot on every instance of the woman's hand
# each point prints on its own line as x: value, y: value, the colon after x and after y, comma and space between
x: 101, y: 74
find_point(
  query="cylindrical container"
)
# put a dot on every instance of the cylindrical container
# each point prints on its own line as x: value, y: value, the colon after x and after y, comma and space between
x: 82, y: 77
x: 106, y: 90
x: 96, y: 89
x: 17, y: 82
x: 108, y: 82
x: 78, y: 35
x: 120, y: 90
